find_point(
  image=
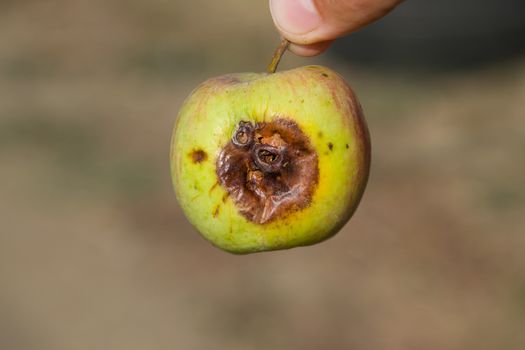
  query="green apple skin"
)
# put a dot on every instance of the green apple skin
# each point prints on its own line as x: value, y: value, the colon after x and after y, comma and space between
x: 326, y: 110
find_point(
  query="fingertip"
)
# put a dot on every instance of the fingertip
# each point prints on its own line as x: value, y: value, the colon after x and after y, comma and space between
x: 295, y: 17
x: 310, y: 50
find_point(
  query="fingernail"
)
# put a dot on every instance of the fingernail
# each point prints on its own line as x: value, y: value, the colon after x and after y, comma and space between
x: 295, y: 16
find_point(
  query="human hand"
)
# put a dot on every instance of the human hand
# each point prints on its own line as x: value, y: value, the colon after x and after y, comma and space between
x: 312, y: 25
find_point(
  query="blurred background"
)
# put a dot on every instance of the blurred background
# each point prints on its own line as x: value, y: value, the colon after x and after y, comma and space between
x: 96, y: 254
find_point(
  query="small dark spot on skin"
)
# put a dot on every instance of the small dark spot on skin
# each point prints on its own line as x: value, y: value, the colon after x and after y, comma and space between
x: 302, y: 101
x: 320, y: 134
x: 198, y: 156
x: 214, y: 186
x: 330, y: 146
x: 347, y: 147
x: 225, y: 197
x: 217, y: 211
x: 324, y: 75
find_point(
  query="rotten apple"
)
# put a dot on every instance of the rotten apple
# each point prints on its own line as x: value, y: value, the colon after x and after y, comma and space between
x: 270, y: 161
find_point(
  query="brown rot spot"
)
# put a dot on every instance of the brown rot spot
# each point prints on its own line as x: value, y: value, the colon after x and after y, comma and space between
x: 324, y: 75
x: 320, y: 134
x: 198, y: 156
x: 330, y: 146
x: 268, y: 169
x: 347, y: 147
x: 216, y: 211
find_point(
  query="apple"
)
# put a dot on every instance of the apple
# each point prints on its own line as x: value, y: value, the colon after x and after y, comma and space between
x: 270, y: 161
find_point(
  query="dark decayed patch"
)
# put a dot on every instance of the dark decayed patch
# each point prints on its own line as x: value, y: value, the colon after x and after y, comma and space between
x: 198, y: 156
x: 330, y: 146
x: 268, y: 169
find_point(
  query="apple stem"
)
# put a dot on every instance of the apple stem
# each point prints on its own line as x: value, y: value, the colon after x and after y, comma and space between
x: 283, y: 46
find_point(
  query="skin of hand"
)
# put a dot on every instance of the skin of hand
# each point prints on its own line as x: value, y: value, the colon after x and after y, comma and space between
x: 312, y: 25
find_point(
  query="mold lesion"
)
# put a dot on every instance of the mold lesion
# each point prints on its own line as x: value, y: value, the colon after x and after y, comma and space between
x: 269, y: 169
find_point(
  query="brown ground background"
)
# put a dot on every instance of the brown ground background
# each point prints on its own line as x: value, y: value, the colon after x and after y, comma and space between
x: 95, y: 253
